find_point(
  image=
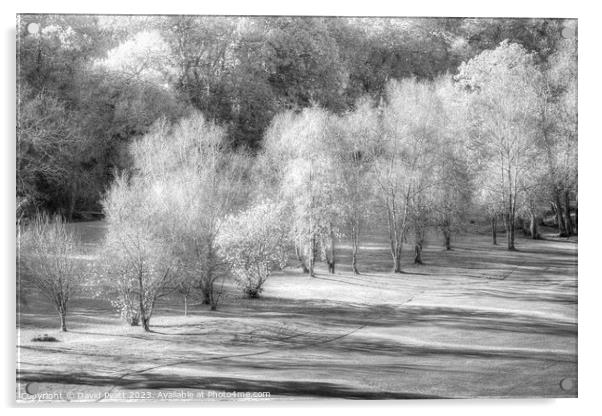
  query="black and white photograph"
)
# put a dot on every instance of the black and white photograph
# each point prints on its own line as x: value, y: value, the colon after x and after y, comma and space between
x: 276, y: 208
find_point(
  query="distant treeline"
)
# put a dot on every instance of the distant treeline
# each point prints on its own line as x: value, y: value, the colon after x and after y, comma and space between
x: 88, y: 85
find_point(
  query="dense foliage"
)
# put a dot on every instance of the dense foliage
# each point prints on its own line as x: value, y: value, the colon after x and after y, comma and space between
x: 254, y: 243
x: 89, y: 85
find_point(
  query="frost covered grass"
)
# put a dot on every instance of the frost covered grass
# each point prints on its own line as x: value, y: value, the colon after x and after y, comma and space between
x: 477, y: 321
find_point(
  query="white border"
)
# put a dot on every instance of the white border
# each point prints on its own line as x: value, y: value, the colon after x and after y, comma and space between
x: 590, y: 273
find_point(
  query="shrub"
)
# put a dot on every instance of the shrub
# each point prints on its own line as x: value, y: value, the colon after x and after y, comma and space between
x: 44, y: 338
x: 254, y: 243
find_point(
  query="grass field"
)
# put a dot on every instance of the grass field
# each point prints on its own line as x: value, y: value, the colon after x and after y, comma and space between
x: 477, y: 321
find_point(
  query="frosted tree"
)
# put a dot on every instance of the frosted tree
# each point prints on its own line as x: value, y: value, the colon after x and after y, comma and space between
x: 299, y: 150
x: 351, y: 138
x: 454, y: 173
x: 254, y: 243
x: 404, y: 153
x: 557, y: 122
x: 503, y: 104
x: 199, y: 182
x: 138, y: 258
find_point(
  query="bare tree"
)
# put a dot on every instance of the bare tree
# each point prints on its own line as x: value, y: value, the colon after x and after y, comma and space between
x: 185, y: 288
x: 49, y: 252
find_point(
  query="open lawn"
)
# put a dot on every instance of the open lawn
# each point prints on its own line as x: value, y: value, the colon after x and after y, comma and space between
x: 477, y: 321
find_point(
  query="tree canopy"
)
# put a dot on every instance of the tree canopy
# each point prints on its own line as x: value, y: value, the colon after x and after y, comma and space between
x: 90, y: 85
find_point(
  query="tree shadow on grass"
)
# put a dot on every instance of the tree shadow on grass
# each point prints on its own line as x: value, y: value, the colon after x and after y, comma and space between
x: 383, y: 315
x: 283, y: 388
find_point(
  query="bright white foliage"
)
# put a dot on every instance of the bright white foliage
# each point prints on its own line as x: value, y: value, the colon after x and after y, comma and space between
x: 254, y: 243
x: 504, y: 107
x: 138, y: 260
x: 185, y: 183
x: 144, y: 57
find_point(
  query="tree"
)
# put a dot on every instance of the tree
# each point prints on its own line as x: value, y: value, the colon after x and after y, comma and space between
x: 49, y: 147
x: 452, y: 195
x: 297, y: 148
x: 557, y: 121
x: 504, y: 102
x: 419, y: 221
x: 254, y: 243
x: 144, y: 57
x: 49, y: 252
x: 349, y: 144
x: 404, y: 154
x: 198, y: 183
x: 202, y: 57
x: 140, y: 262
x: 489, y: 201
x: 396, y: 49
x: 185, y: 288
x: 537, y: 36
x: 78, y: 109
x: 111, y: 77
x: 304, y: 67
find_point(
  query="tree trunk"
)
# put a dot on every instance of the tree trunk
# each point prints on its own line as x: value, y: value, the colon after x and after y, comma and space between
x: 301, y: 260
x: 418, y: 253
x: 185, y: 305
x: 355, y: 241
x: 63, y: 318
x: 533, y: 227
x: 145, y: 323
x: 397, y: 264
x: 555, y: 218
x: 510, y: 231
x: 332, y: 260
x: 143, y: 316
x: 447, y: 235
x: 567, y: 214
x: 134, y: 319
x: 206, y: 296
x: 312, y: 257
x: 559, y: 215
x: 494, y: 230
x: 396, y: 250
x: 213, y: 299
